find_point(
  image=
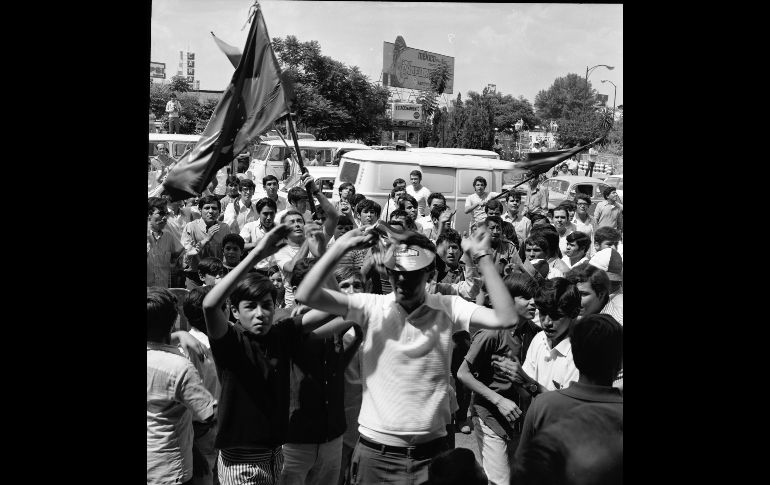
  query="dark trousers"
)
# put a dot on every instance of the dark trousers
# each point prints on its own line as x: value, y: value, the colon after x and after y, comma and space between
x: 461, y: 345
x: 372, y: 466
x: 173, y: 125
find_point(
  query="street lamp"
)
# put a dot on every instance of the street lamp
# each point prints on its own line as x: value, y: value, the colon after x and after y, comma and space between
x: 613, y: 96
x: 588, y: 71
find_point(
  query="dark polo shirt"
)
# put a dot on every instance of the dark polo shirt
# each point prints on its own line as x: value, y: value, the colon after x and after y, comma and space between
x: 550, y: 406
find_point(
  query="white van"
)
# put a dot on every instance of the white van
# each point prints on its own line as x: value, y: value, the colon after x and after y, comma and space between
x: 457, y: 151
x: 267, y: 158
x: 373, y: 171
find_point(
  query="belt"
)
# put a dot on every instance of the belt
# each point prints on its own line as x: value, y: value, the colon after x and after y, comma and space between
x: 428, y: 449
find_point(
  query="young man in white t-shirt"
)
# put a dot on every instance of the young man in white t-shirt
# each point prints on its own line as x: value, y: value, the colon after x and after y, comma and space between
x: 418, y: 191
x: 406, y: 351
x: 476, y: 202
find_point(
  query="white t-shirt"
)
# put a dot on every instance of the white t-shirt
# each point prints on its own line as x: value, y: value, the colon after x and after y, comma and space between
x: 479, y: 214
x: 405, y: 365
x: 422, y: 198
x: 283, y: 256
x: 252, y: 232
x: 546, y: 365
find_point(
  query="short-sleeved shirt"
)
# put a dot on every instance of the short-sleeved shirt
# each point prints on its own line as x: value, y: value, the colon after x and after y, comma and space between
x: 405, y: 365
x: 479, y: 214
x: 238, y: 215
x: 508, y: 343
x: 194, y: 232
x: 254, y: 373
x: 159, y: 252
x: 422, y: 198
x: 175, y: 395
x: 549, y: 407
x: 547, y: 365
x: 535, y: 201
x: 521, y: 225
x: 253, y: 232
x: 588, y: 227
x: 607, y: 214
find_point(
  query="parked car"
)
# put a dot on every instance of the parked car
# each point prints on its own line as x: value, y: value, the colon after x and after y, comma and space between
x: 617, y: 182
x: 566, y: 187
x: 267, y: 158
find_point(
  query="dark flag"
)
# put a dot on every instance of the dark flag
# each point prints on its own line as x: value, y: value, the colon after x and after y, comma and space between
x: 254, y: 99
x: 233, y: 53
x: 541, y: 162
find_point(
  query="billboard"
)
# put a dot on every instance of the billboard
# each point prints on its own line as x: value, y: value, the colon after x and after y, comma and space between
x: 405, y: 112
x: 158, y: 69
x: 406, y: 67
x: 602, y: 98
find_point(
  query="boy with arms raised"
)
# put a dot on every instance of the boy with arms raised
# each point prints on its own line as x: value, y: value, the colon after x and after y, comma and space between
x: 406, y: 351
x: 253, y: 360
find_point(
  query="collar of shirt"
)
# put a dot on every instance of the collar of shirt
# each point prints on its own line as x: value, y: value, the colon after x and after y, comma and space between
x: 563, y: 348
x: 164, y: 348
x: 589, y: 392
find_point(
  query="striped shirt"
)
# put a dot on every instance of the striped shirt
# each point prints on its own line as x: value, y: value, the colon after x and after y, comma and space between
x: 405, y: 364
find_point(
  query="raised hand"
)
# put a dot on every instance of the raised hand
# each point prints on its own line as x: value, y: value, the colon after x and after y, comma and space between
x: 273, y: 240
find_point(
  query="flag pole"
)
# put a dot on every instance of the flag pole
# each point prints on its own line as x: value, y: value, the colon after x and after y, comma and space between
x: 299, y: 161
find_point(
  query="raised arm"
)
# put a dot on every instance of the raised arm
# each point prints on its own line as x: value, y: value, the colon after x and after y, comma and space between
x: 502, y: 313
x: 216, y: 321
x: 311, y: 293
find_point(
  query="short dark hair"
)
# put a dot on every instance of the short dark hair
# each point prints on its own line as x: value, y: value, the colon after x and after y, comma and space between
x: 268, y: 178
x: 252, y: 288
x: 402, y: 213
x: 161, y: 313
x: 539, y: 241
x: 596, y: 277
x: 234, y: 238
x: 266, y: 201
x: 582, y: 197
x: 569, y: 204
x: 301, y: 269
x: 296, y: 194
x: 357, y: 199
x: 346, y: 185
x: 369, y: 204
x: 232, y: 180
x: 211, y: 266
x: 209, y: 199
x: 342, y: 273
x: 480, y: 179
x: 407, y: 198
x: 156, y: 203
x: 436, y: 195
x: 513, y: 195
x: 273, y: 270
x: 521, y: 284
x: 345, y: 220
x: 597, y: 347
x: 606, y: 233
x: 496, y: 219
x: 558, y: 295
x: 398, y: 181
x: 451, y: 236
x: 193, y: 307
x: 437, y: 210
x: 246, y: 183
x: 535, y: 216
x: 416, y: 172
x: 606, y: 192
x: 294, y: 212
x: 551, y: 235
x: 494, y: 204
x: 580, y: 238
x: 561, y: 208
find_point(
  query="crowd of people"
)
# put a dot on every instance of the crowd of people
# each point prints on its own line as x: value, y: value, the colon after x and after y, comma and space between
x: 347, y: 342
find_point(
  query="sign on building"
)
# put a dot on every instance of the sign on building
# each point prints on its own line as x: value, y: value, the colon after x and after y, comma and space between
x: 406, y: 67
x: 158, y: 70
x: 405, y: 112
x: 190, y: 71
x: 602, y: 98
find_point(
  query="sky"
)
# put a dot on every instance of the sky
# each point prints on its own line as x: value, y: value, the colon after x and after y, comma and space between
x: 520, y: 47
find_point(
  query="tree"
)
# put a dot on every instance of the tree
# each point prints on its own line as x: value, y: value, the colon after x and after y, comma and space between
x: 180, y: 84
x: 332, y: 100
x: 565, y: 99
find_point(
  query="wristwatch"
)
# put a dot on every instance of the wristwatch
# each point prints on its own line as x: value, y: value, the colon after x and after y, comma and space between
x: 532, y: 389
